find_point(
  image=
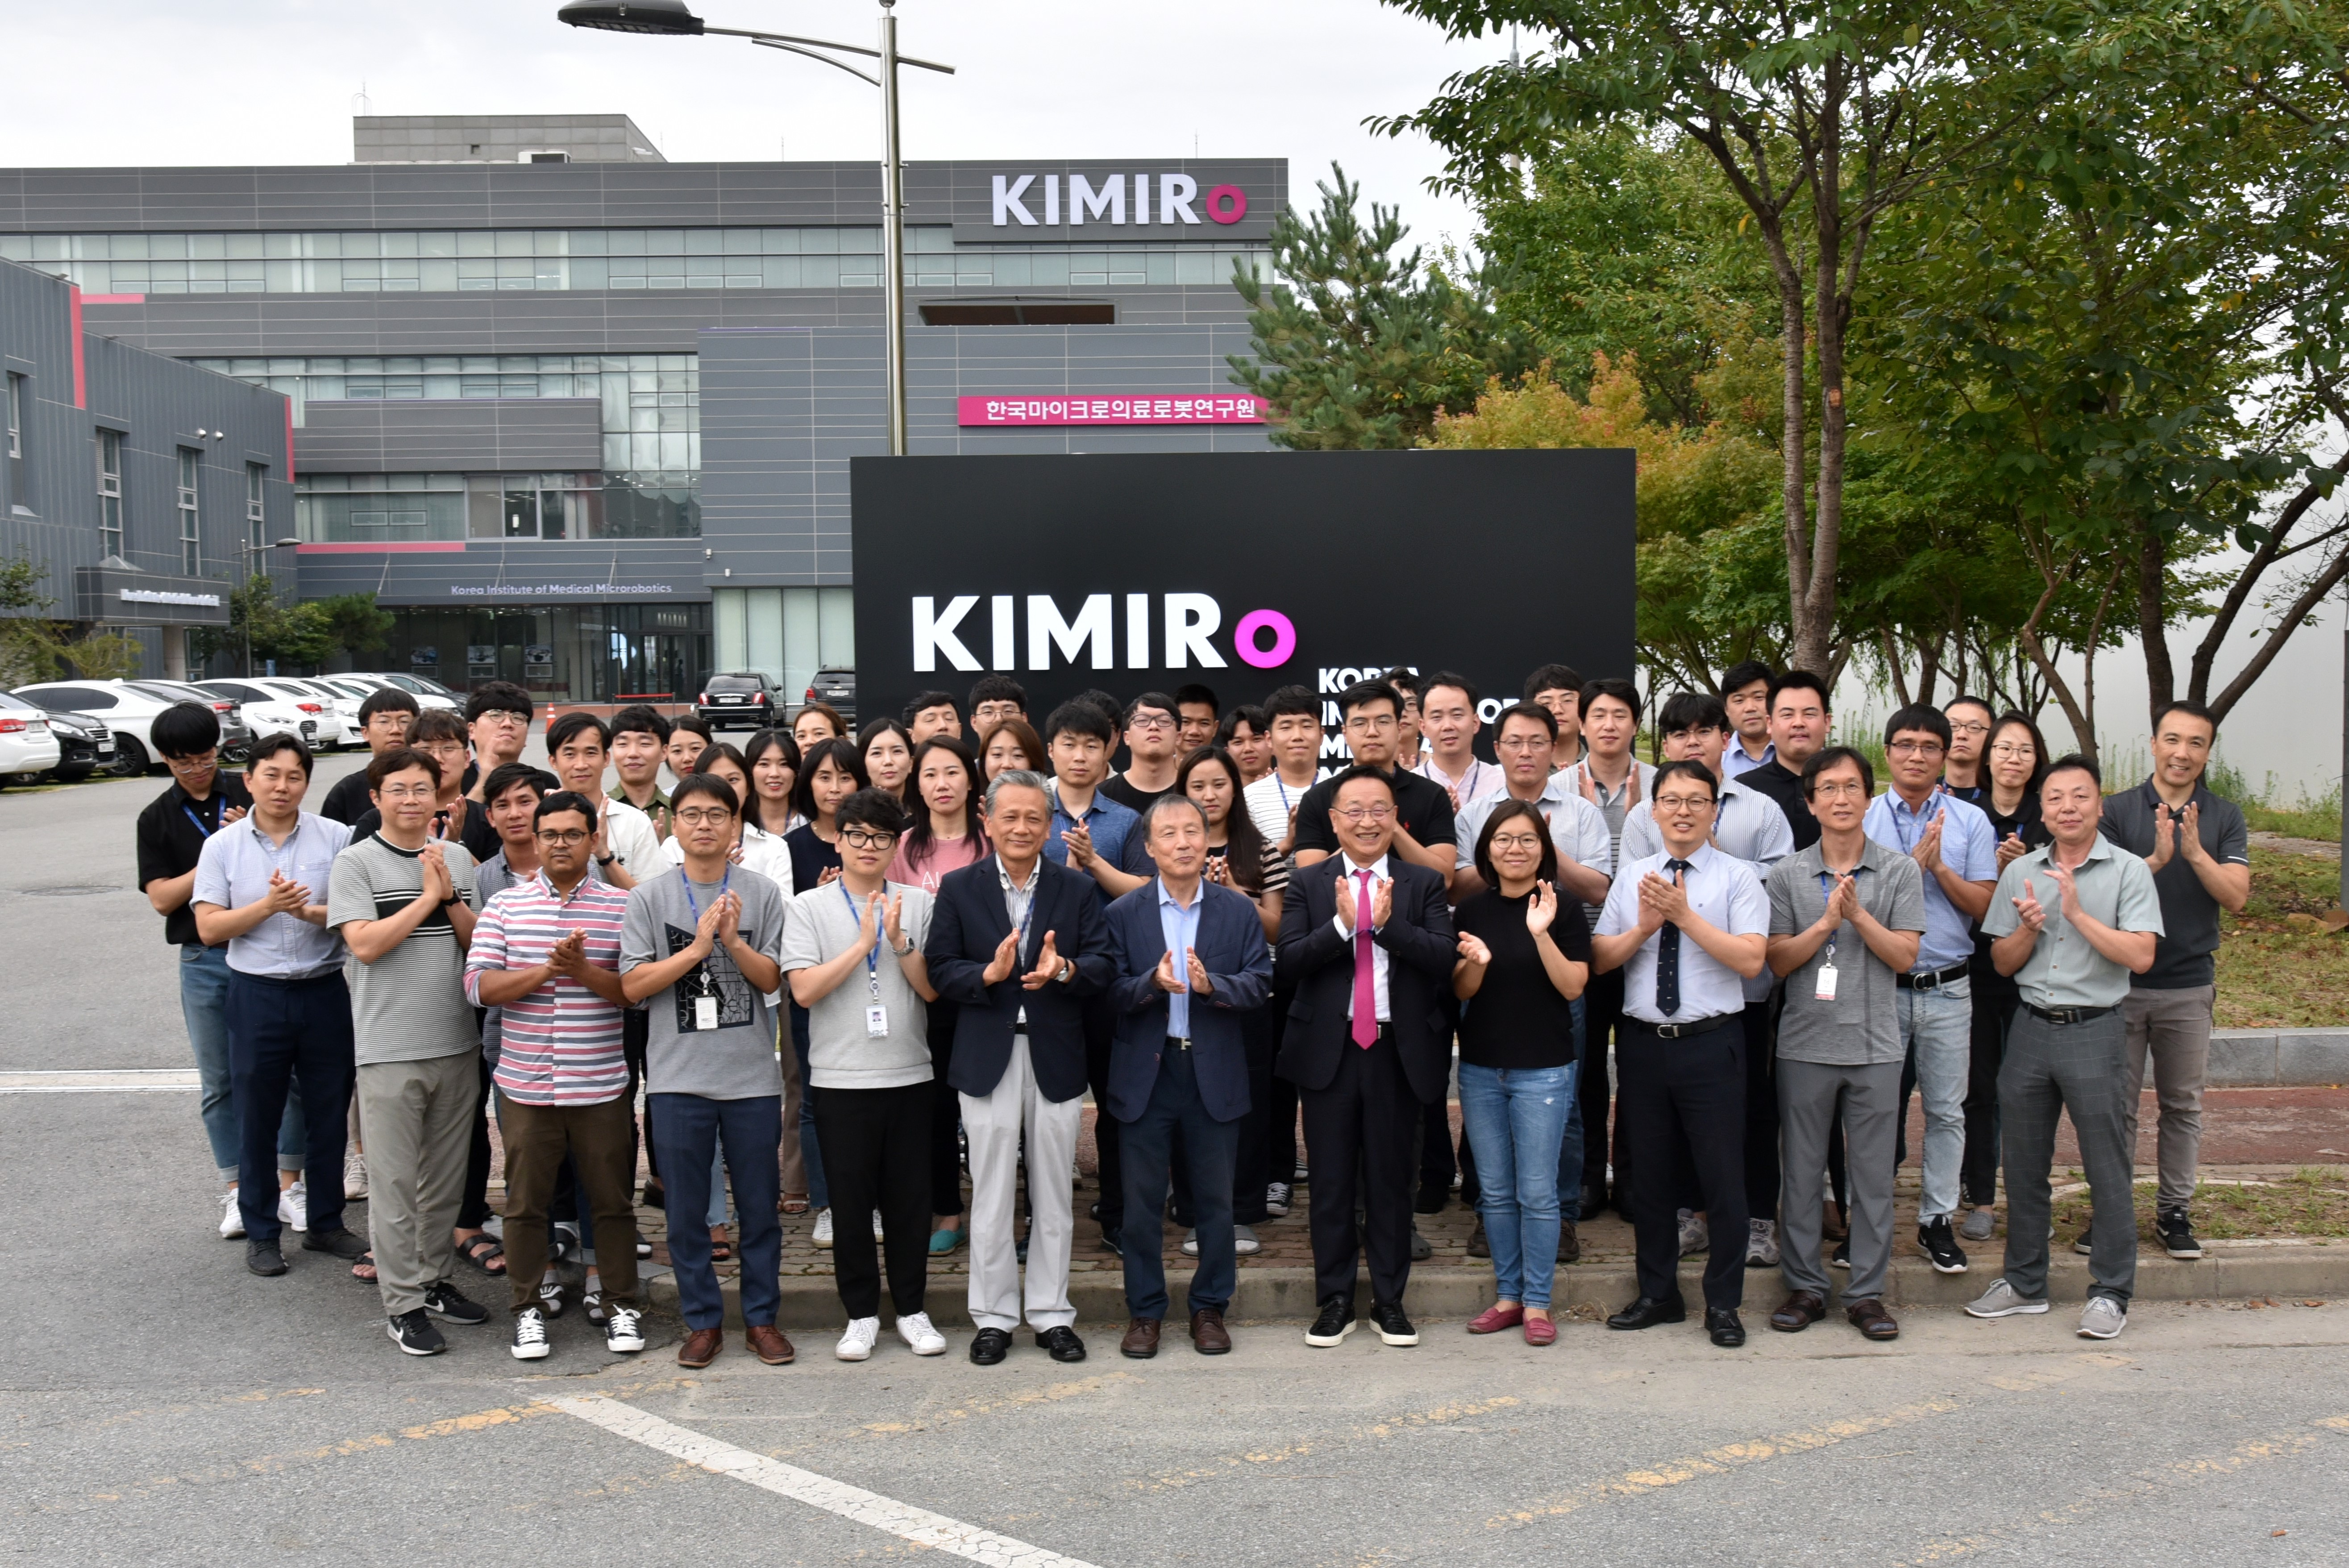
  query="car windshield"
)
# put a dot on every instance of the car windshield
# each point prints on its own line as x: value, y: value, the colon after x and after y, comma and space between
x: 169, y: 692
x: 8, y: 701
x: 734, y: 683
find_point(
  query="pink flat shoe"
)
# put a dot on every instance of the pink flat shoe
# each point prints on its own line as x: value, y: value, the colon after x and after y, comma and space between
x: 1494, y: 1319
x: 1540, y: 1330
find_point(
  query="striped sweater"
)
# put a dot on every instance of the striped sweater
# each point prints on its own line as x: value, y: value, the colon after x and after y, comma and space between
x: 561, y: 1042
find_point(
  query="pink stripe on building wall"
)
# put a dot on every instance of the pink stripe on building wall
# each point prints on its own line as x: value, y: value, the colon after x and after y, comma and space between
x: 81, y: 381
x: 114, y: 299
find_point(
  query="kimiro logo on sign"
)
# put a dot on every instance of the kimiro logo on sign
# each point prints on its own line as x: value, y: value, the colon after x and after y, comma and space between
x: 1028, y: 199
x: 1264, y: 639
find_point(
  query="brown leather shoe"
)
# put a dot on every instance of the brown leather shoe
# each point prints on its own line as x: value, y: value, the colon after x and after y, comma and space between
x: 1208, y: 1335
x: 1569, y: 1242
x: 701, y: 1347
x: 1869, y: 1316
x: 1797, y: 1313
x: 1141, y: 1341
x: 766, y: 1342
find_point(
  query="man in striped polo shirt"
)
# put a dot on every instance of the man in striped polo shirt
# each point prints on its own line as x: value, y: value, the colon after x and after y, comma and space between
x: 546, y: 953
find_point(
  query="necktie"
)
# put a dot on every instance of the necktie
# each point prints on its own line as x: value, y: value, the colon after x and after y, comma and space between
x: 1668, y: 958
x: 1366, y: 996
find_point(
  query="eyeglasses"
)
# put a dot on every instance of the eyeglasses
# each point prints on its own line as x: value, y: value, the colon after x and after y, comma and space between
x: 564, y: 836
x: 1517, y: 841
x: 1149, y: 722
x: 1915, y: 748
x: 1684, y: 803
x: 1364, y: 814
x: 1367, y: 721
x: 503, y: 719
x: 693, y: 816
x: 1524, y: 743
x: 1974, y: 727
x: 864, y: 838
x: 409, y: 792
x: 195, y: 764
x: 2012, y: 750
x: 1833, y: 789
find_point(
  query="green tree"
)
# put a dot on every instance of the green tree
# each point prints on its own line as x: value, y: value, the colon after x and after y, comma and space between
x: 27, y: 640
x: 1358, y: 343
x: 353, y: 624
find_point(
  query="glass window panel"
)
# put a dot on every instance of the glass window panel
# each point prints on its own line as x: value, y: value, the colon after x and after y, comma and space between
x: 587, y: 243
x: 513, y: 242
x: 678, y: 374
x: 781, y: 272
x: 704, y: 242
x: 367, y: 245
x: 442, y: 386
x: 549, y: 242
x: 280, y: 277
x: 206, y: 247
x: 703, y: 280
x: 131, y: 246
x: 438, y: 276
x: 666, y: 280
x: 780, y: 242
x: 172, y: 287
x: 860, y: 241
x: 397, y: 244
x: 819, y: 272
x: 626, y: 241
x: 353, y: 270
x: 207, y: 270
x: 239, y: 245
x: 476, y: 243
x: 745, y: 280
x: 664, y: 241
x: 820, y: 241
x: 314, y: 245
x: 173, y: 248
x: 628, y: 283
x: 1013, y: 270
x: 510, y: 267
x: 740, y: 241
x: 594, y: 273
x: 17, y: 247
x: 402, y: 365
x: 51, y: 247
x: 1128, y: 276
x: 281, y: 245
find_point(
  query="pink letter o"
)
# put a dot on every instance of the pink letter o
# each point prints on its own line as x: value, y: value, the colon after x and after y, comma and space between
x: 1227, y: 205
x: 1284, y: 633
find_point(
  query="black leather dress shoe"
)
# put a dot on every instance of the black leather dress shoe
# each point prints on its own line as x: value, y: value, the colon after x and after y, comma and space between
x: 1594, y: 1201
x: 1060, y: 1343
x: 1723, y: 1325
x: 1648, y: 1312
x: 989, y: 1345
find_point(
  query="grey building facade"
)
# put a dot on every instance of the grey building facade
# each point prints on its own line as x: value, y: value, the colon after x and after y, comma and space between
x: 581, y: 419
x: 140, y: 488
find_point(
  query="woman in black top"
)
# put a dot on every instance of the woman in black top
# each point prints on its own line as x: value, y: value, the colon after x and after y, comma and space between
x: 2015, y: 760
x: 1525, y: 956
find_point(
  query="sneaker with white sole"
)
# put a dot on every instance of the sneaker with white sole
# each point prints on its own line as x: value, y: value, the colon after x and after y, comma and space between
x: 2103, y: 1318
x: 822, y: 1234
x: 1696, y: 1236
x: 1980, y: 1224
x: 550, y: 1296
x: 1275, y: 1199
x: 294, y: 1207
x: 1244, y: 1242
x: 412, y: 1330
x: 1191, y: 1243
x: 1761, y: 1244
x: 1939, y: 1240
x: 920, y: 1337
x: 624, y: 1332
x: 530, y: 1342
x: 445, y: 1300
x: 858, y: 1342
x: 231, y: 1224
x: 2002, y: 1300
x: 2176, y: 1232
x: 354, y: 1186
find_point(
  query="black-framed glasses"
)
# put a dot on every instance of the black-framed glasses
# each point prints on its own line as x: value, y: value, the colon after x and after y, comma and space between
x: 564, y: 836
x: 866, y: 839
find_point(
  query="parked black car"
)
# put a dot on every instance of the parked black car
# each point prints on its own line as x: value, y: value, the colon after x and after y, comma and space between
x: 743, y: 697
x: 836, y: 690
x: 84, y: 746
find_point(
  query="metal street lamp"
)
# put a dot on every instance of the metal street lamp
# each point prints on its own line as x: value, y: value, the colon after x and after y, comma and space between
x: 673, y: 18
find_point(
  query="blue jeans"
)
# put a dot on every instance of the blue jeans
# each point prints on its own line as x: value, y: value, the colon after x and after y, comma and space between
x: 819, y: 1190
x: 1938, y: 1027
x: 1211, y: 1148
x: 281, y: 1031
x: 689, y: 1129
x: 1515, y: 1118
x: 204, y: 1003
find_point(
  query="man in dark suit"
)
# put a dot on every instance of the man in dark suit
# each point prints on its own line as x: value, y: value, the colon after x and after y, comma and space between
x: 1366, y: 938
x: 1190, y: 959
x: 1018, y: 943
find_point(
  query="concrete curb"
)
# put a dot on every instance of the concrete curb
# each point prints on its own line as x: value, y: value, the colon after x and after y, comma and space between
x: 1439, y: 1294
x: 2249, y: 1058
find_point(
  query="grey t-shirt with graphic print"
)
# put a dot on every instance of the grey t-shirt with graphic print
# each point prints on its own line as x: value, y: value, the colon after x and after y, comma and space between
x: 735, y: 1061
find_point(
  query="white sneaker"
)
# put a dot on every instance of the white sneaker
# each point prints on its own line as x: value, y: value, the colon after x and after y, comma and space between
x: 1190, y: 1243
x: 919, y: 1337
x: 2104, y: 1318
x: 1275, y: 1199
x: 231, y: 1224
x: 624, y: 1332
x: 857, y: 1343
x: 2001, y: 1300
x: 354, y: 1176
x: 1244, y: 1240
x: 876, y: 1224
x: 294, y: 1207
x: 822, y: 1236
x: 1761, y: 1244
x: 529, y: 1336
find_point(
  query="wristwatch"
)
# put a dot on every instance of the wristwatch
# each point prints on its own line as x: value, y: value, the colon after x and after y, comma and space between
x: 1067, y: 968
x: 903, y: 952
x: 605, y: 859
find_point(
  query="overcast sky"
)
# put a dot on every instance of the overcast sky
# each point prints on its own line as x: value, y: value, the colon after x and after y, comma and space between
x: 276, y: 81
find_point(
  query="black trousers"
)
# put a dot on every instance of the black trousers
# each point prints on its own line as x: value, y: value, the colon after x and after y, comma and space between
x: 1280, y: 1098
x: 1761, y: 1125
x: 876, y: 1154
x: 1686, y: 1100
x: 946, y: 1114
x: 1362, y: 1132
x: 1252, y: 1133
x: 1602, y: 1020
x: 1101, y: 1027
x: 1995, y: 1001
x: 473, y: 1211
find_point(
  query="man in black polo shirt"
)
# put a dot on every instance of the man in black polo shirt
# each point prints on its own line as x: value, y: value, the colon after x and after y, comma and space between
x: 2198, y: 847
x: 1372, y: 711
x: 1800, y: 719
x: 171, y: 832
x: 385, y: 719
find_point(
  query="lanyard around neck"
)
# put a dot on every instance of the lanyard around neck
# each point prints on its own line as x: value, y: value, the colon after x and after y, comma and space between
x: 873, y: 953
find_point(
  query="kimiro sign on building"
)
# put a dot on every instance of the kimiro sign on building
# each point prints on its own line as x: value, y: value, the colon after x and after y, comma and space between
x: 1206, y: 202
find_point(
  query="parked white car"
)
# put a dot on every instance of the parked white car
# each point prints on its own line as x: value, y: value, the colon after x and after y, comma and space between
x: 340, y: 703
x: 27, y: 750
x: 126, y: 707
x: 272, y: 708
x: 427, y: 692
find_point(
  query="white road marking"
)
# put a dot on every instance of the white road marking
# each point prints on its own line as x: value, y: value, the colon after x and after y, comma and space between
x: 903, y: 1521
x: 131, y: 1080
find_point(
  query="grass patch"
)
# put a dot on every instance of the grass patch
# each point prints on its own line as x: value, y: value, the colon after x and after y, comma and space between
x: 2312, y: 1201
x: 2303, y: 821
x: 2276, y: 971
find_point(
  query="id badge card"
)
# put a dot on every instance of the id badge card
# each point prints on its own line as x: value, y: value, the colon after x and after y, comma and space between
x: 1826, y: 982
x: 877, y: 1021
x: 705, y: 1013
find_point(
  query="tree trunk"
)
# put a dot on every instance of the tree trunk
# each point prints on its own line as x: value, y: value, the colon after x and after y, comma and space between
x: 1793, y: 492
x: 1814, y: 603
x: 2153, y: 619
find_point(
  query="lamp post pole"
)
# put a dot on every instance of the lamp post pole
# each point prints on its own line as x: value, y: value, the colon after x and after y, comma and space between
x: 892, y: 230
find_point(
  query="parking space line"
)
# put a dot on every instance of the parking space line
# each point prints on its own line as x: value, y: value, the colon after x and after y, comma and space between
x: 121, y: 1081
x: 903, y: 1521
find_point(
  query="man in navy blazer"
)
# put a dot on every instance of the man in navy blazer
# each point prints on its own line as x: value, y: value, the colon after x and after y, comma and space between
x: 1190, y: 960
x: 1018, y: 943
x: 1367, y: 939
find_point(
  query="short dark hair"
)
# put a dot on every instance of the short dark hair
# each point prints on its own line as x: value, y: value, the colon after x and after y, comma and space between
x: 1553, y: 677
x: 1508, y: 810
x: 2038, y: 743
x: 1613, y: 686
x: 880, y: 727
x: 1154, y: 700
x: 1362, y: 693
x: 1692, y: 710
x: 1917, y: 716
x: 1800, y: 680
x: 1533, y: 712
x: 399, y: 760
x: 918, y: 832
x: 1247, y: 713
x: 710, y: 784
x: 925, y: 700
x: 1113, y: 710
x: 1291, y: 701
x: 874, y: 808
x: 1459, y: 682
x: 758, y: 744
x: 498, y: 697
x: 2080, y: 760
x: 562, y: 800
x: 641, y: 718
x: 505, y: 775
x: 823, y: 711
x: 1079, y: 717
x: 1968, y: 699
x: 1023, y: 735
x: 1686, y: 769
x: 1192, y: 691
x: 1355, y: 775
x: 1835, y: 756
x: 567, y: 729
x: 691, y: 724
x: 186, y: 729
x: 280, y: 744
x: 386, y: 700
x: 1744, y: 673
x: 437, y: 724
x: 839, y: 751
x: 2188, y: 707
x: 1405, y: 680
x: 998, y: 689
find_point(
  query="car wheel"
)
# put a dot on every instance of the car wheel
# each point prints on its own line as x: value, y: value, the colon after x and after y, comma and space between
x: 130, y: 757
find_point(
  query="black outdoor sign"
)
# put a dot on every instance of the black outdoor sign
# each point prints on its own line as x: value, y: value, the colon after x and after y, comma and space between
x: 1243, y: 571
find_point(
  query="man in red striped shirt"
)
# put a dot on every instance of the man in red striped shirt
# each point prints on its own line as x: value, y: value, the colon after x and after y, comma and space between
x: 546, y: 953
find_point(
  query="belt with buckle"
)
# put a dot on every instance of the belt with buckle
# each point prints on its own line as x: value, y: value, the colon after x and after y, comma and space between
x: 2067, y: 1014
x: 1694, y: 1026
x: 1179, y: 1041
x: 1934, y: 979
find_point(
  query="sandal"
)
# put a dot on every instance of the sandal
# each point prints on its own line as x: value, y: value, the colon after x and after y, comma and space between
x: 721, y: 1250
x: 483, y: 1250
x: 794, y: 1203
x: 363, y: 1270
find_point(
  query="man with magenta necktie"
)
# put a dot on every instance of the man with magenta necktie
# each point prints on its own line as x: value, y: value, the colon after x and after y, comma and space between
x: 1366, y: 939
